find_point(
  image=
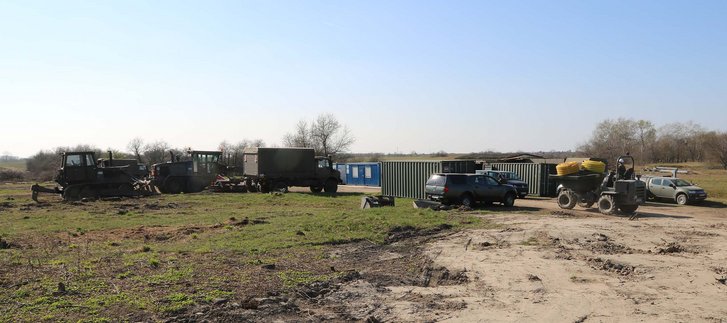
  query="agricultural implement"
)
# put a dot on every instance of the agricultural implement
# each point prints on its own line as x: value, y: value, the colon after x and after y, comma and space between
x: 611, y: 191
x: 80, y: 176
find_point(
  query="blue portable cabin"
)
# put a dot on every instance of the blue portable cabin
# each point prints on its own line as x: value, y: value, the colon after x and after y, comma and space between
x: 363, y: 174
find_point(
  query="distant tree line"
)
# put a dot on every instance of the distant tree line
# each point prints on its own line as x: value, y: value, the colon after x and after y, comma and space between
x: 671, y: 143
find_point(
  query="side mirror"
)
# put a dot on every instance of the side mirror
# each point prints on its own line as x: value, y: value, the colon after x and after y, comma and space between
x: 502, y: 181
x: 673, y: 186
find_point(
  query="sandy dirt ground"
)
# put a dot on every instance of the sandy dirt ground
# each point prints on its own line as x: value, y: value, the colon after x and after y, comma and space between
x: 669, y: 264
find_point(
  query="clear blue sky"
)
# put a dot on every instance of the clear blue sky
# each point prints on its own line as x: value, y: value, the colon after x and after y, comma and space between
x: 404, y: 76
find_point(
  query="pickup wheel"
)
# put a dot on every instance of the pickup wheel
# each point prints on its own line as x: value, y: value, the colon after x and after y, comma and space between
x: 466, y: 200
x: 316, y: 189
x: 567, y: 200
x: 509, y: 200
x: 606, y: 205
x: 682, y: 199
x: 331, y: 186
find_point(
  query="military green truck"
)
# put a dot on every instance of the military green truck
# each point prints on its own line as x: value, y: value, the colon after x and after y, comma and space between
x: 675, y: 189
x: 267, y: 169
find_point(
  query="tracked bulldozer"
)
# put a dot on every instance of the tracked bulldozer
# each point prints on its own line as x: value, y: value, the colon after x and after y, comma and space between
x: 82, y: 176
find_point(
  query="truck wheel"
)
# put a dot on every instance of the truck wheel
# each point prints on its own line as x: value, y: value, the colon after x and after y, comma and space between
x: 682, y: 199
x: 331, y: 186
x: 466, y: 200
x: 509, y: 200
x: 587, y: 200
x: 628, y: 209
x: 566, y: 200
x: 316, y: 189
x: 606, y: 205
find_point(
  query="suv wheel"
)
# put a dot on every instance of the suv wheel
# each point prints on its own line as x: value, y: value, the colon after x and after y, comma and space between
x: 467, y: 200
x: 682, y: 199
x: 509, y: 200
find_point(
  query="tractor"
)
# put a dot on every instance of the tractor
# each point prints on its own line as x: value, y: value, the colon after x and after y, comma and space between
x: 612, y: 191
x: 82, y: 176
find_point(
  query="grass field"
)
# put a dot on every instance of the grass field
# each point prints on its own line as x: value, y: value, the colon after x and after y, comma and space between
x: 16, y: 164
x: 163, y: 256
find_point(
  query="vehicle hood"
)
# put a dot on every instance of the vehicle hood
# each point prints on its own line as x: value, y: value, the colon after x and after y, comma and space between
x: 516, y: 182
x: 691, y: 188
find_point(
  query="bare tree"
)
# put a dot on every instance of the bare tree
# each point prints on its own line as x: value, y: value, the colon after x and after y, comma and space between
x: 716, y: 147
x: 136, y: 146
x: 325, y: 134
x: 301, y: 137
x: 330, y: 136
x: 156, y: 152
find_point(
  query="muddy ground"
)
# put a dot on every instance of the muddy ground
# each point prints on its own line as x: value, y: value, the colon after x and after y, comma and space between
x: 667, y: 264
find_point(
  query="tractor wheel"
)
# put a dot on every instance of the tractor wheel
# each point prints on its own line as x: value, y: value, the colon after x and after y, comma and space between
x: 467, y: 200
x: 628, y: 209
x: 509, y: 200
x: 316, y: 189
x: 587, y: 200
x: 566, y: 199
x: 606, y: 205
x: 682, y: 199
x: 331, y: 186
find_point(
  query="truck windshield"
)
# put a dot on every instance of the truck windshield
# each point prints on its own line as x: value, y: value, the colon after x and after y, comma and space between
x: 323, y: 163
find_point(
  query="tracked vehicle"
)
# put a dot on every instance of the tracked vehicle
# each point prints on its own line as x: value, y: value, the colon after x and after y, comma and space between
x: 81, y: 176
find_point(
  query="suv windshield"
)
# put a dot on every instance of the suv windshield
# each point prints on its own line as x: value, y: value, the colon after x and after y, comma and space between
x: 511, y: 176
x: 681, y: 182
x: 436, y: 180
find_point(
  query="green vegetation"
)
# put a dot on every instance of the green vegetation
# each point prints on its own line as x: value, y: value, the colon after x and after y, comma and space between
x: 171, y: 253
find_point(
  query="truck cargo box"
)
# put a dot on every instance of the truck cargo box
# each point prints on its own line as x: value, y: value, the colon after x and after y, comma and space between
x: 279, y: 162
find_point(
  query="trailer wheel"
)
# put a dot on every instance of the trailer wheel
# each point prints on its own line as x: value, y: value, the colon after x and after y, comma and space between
x: 316, y: 189
x: 606, y: 205
x: 331, y: 186
x: 567, y: 200
x: 628, y: 209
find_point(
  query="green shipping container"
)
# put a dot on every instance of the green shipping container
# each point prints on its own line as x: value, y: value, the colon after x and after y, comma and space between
x: 536, y: 175
x: 407, y: 178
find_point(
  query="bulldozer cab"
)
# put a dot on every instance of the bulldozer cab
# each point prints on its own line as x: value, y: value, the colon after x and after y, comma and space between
x: 77, y: 167
x: 205, y: 162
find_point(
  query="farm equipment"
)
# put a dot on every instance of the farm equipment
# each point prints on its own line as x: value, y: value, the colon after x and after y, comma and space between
x: 80, y: 176
x: 612, y: 191
x: 197, y: 171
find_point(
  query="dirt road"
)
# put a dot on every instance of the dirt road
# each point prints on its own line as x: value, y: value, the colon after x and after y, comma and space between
x: 547, y: 264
